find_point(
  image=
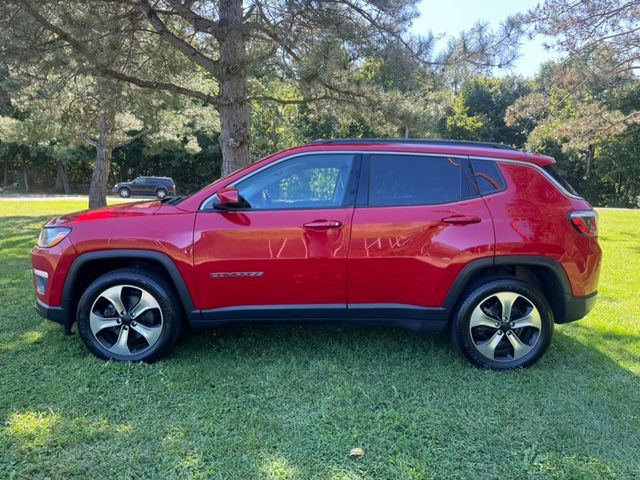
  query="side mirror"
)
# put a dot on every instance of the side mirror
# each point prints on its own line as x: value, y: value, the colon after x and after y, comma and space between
x: 228, y: 197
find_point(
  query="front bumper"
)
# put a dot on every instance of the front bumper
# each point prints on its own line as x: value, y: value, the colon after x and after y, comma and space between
x: 55, y: 314
x: 578, y: 307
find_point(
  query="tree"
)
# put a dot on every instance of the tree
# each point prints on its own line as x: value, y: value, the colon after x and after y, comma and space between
x: 479, y: 109
x: 64, y: 103
x: 315, y: 44
x: 581, y: 123
x: 583, y: 28
x: 103, y: 114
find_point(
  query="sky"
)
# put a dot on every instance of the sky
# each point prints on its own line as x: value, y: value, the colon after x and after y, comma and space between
x: 450, y: 17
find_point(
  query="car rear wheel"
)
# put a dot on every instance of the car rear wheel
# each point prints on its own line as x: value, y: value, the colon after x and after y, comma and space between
x: 124, y: 192
x: 161, y: 193
x: 128, y: 315
x: 503, y: 324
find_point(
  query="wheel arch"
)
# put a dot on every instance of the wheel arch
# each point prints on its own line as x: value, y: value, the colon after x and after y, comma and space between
x: 89, y: 266
x: 543, y: 272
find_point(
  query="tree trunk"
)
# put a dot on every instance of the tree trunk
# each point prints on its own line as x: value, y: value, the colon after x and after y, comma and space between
x: 62, y: 179
x: 590, y: 155
x: 100, y: 176
x: 234, y: 109
x: 5, y: 182
x: 58, y: 185
x: 26, y: 177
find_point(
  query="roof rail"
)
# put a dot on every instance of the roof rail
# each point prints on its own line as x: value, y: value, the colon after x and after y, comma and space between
x: 425, y: 141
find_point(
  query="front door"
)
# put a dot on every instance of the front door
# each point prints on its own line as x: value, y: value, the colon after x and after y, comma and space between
x: 284, y: 249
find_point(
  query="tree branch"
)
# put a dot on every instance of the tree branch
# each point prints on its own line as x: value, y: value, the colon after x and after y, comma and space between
x: 198, y: 22
x: 176, y: 42
x: 289, y: 101
x: 131, y: 139
x: 79, y: 48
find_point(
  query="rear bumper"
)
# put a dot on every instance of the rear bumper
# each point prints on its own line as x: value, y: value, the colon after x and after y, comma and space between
x: 578, y: 307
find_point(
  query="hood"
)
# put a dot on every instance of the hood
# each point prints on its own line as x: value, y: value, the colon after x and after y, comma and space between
x: 133, y: 209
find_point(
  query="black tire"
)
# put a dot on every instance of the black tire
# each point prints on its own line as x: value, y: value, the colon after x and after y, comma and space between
x: 169, y: 312
x: 124, y: 192
x: 470, y: 340
x: 161, y: 193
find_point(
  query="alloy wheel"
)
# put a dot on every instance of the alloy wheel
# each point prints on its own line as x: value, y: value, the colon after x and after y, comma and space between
x: 126, y: 320
x: 505, y: 326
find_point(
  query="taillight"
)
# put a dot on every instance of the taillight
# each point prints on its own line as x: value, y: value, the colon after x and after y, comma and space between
x: 586, y: 222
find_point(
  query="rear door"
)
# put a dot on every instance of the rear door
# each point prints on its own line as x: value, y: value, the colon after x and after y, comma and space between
x: 418, y: 221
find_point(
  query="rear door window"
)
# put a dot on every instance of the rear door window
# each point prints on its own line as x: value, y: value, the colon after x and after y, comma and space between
x: 398, y: 180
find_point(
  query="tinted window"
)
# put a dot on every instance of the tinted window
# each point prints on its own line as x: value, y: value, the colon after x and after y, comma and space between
x: 413, y: 180
x: 310, y: 181
x: 487, y: 176
x: 553, y: 171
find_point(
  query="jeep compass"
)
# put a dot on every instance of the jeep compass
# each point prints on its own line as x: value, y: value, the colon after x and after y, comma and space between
x: 480, y: 240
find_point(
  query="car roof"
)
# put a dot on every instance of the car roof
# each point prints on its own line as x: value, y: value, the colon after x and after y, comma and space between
x: 435, y: 146
x: 414, y: 141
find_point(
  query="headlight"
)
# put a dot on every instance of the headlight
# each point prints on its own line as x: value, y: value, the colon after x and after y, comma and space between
x: 52, y: 236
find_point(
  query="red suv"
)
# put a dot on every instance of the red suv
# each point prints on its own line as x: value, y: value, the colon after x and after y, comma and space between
x: 479, y: 239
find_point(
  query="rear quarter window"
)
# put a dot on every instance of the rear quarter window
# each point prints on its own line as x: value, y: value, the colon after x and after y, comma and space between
x: 555, y: 174
x: 487, y: 176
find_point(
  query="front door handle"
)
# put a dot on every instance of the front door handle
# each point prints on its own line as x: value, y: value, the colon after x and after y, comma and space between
x: 323, y: 224
x: 462, y: 219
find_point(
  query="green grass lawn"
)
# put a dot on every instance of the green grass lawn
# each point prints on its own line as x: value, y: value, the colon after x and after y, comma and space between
x: 290, y: 402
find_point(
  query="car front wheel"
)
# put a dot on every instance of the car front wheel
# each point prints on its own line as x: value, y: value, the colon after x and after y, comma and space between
x: 129, y: 315
x: 124, y: 192
x: 503, y: 324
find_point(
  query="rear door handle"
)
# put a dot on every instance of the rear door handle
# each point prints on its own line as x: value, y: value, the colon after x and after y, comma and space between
x: 323, y: 224
x: 462, y: 219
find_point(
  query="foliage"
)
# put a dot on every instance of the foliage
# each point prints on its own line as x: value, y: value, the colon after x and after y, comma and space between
x: 589, y: 127
x: 319, y: 47
x: 479, y: 109
x: 310, y: 73
x: 605, y: 31
x: 191, y: 170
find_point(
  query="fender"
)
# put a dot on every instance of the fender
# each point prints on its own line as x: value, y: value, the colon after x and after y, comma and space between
x: 566, y: 307
x: 462, y: 280
x: 163, y: 259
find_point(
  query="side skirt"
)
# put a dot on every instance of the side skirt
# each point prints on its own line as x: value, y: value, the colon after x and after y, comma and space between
x: 396, y: 315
